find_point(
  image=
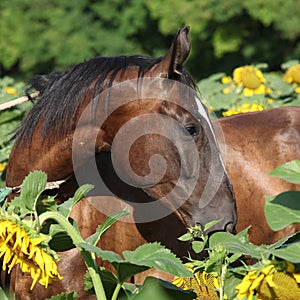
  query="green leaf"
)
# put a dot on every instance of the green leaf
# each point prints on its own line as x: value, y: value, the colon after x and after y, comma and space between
x: 65, y: 296
x: 108, y: 279
x: 290, y: 253
x: 217, y: 76
x: 154, y: 255
x: 60, y: 239
x: 186, y: 237
x: 215, y: 262
x: 290, y: 171
x: 126, y: 270
x: 81, y: 192
x: 46, y: 203
x: 4, y: 192
x: 66, y: 207
x: 109, y: 256
x: 106, y: 224
x: 283, y: 210
x: 3, y: 295
x: 18, y: 206
x: 238, y: 243
x: 32, y: 187
x: 210, y: 224
x: 289, y: 64
x: 154, y: 288
x: 231, y: 281
x: 198, y: 246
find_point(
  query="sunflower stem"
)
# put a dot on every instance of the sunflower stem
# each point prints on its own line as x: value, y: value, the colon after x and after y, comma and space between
x: 222, y: 280
x: 87, y: 257
x: 116, y: 291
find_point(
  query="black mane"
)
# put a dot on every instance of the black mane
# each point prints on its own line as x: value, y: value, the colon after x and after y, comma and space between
x: 61, y: 94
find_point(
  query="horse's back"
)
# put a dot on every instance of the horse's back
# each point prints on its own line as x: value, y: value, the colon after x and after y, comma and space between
x: 253, y: 145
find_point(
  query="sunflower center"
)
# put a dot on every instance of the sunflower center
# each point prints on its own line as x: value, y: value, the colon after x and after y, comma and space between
x: 250, y: 80
x: 296, y: 76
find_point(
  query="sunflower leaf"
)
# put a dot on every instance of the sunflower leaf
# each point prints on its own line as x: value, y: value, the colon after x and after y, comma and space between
x: 106, y: 224
x: 66, y: 207
x: 154, y: 288
x: 289, y: 171
x: 110, y: 256
x: 64, y: 296
x: 4, y: 192
x: 283, y: 210
x: 154, y: 255
x: 32, y: 187
x: 289, y: 253
x: 198, y: 246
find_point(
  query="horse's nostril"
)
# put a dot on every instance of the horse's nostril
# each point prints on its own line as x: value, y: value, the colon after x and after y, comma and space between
x: 230, y: 227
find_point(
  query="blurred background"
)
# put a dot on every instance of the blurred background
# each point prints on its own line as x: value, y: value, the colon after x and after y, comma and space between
x: 40, y: 36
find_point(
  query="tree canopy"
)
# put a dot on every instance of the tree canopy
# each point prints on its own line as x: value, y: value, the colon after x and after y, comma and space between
x: 40, y: 36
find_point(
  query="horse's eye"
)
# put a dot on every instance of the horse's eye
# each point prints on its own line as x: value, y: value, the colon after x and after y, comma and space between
x: 191, y: 129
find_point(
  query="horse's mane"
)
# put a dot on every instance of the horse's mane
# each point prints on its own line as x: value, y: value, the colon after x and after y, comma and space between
x: 61, y: 94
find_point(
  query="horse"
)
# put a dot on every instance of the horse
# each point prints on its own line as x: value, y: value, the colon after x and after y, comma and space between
x: 134, y: 127
x: 254, y: 144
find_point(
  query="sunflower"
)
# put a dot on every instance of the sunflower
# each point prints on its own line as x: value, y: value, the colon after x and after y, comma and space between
x: 251, y: 79
x: 2, y: 167
x: 292, y: 74
x: 244, y: 108
x: 18, y: 247
x: 205, y: 285
x: 226, y: 79
x: 271, y: 282
x: 11, y: 91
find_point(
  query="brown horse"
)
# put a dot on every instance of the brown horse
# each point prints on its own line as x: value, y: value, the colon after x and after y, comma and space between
x: 135, y: 118
x: 253, y: 145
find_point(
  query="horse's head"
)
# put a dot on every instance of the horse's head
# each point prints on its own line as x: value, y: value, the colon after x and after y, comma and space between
x: 162, y: 141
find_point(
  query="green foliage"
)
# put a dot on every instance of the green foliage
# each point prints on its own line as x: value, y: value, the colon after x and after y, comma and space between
x: 154, y: 288
x: 42, y: 36
x: 285, y: 206
x: 197, y: 235
x: 290, y: 171
x: 232, y: 32
x: 23, y: 210
x: 224, y: 248
x: 221, y: 92
x: 146, y: 256
x: 64, y: 296
x: 107, y: 223
x: 39, y: 36
x: 9, y: 119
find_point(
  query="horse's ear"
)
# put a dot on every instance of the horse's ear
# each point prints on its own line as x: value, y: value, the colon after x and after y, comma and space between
x: 172, y: 62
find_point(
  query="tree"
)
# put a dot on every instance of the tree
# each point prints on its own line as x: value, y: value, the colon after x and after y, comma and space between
x: 42, y: 36
x: 230, y: 33
x: 39, y: 36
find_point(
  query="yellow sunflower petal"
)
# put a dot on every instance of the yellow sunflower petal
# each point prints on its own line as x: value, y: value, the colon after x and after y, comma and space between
x: 16, y: 247
x: 256, y: 282
x: 267, y: 269
x: 297, y: 277
x: 226, y: 79
x: 11, y: 91
x: 248, y: 92
x: 178, y: 281
x: 269, y: 279
x: 37, y: 241
x: 244, y: 286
